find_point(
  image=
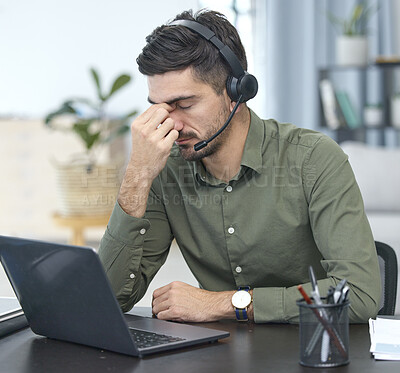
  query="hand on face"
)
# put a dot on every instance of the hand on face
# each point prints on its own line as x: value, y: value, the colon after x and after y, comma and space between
x: 153, y: 134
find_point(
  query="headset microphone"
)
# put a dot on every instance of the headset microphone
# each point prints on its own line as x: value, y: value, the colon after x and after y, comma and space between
x: 240, y: 85
x: 204, y: 143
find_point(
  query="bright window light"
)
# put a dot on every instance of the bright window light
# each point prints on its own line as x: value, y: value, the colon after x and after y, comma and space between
x: 239, y: 14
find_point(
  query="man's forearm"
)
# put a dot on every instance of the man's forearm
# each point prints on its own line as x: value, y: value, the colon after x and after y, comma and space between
x: 220, y: 304
x: 182, y: 302
x: 153, y: 135
x: 134, y: 192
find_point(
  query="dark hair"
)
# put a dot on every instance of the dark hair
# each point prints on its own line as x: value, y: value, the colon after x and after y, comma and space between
x: 172, y: 48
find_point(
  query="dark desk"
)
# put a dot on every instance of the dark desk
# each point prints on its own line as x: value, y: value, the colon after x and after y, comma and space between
x: 250, y: 348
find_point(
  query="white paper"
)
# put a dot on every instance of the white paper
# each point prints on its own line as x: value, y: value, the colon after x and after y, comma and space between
x: 385, y: 338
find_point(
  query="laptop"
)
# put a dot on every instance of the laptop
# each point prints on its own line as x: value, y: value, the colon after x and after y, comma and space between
x: 12, y: 317
x: 9, y: 308
x: 65, y: 294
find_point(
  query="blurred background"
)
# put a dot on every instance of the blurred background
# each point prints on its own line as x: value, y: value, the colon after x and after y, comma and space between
x: 47, y: 51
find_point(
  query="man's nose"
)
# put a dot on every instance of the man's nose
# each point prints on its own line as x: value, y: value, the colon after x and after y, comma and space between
x: 177, y: 120
x: 178, y: 126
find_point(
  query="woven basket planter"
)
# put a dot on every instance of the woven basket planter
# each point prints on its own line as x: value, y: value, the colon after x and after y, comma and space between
x: 87, y: 190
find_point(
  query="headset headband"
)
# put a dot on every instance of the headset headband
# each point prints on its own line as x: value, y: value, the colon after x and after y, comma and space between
x: 240, y: 85
x: 206, y: 33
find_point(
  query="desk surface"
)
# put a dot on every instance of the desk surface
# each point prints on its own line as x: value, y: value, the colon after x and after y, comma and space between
x: 250, y: 348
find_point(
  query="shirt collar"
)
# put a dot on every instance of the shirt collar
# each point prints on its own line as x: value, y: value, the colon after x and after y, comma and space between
x: 252, y: 153
x: 251, y: 158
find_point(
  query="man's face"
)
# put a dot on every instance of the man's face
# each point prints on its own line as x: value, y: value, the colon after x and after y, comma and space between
x: 198, y: 111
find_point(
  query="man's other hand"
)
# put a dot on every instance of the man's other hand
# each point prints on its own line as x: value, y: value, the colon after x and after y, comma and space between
x: 178, y: 301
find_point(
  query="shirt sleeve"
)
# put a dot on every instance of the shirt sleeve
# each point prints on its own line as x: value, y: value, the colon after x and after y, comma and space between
x: 342, y: 234
x: 132, y: 250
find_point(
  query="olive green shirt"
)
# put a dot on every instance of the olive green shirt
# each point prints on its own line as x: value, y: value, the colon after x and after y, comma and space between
x: 294, y: 203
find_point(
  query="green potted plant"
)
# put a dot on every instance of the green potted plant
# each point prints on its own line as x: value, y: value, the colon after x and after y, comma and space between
x: 86, y: 186
x: 352, y: 44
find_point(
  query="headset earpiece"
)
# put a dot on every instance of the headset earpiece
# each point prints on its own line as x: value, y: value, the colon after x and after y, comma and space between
x: 246, y: 86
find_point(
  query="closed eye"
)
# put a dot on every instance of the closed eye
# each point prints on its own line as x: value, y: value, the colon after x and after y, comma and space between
x: 183, y: 107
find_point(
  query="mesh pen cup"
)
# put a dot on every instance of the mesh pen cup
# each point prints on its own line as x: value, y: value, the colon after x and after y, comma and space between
x: 324, y: 334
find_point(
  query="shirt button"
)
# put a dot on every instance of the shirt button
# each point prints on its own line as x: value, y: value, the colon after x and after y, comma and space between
x: 238, y: 269
x: 229, y: 189
x: 142, y: 231
x: 132, y: 275
x: 231, y: 230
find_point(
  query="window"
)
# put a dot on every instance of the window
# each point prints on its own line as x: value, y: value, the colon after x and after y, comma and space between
x: 239, y: 14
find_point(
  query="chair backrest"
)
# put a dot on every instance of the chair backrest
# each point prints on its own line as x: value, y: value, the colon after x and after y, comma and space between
x: 388, y: 267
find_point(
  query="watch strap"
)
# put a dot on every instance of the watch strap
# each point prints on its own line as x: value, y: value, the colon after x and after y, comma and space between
x: 241, y: 314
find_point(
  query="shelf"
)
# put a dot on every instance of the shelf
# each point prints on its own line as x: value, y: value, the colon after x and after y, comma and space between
x: 343, y: 99
x: 363, y: 128
x: 374, y: 65
x: 383, y: 136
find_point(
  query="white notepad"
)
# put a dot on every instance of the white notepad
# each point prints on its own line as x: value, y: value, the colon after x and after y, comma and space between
x: 385, y: 338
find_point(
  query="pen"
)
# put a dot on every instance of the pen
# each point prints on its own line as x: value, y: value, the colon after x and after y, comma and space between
x: 325, y: 336
x: 332, y: 333
x: 315, y: 293
x: 339, y: 290
x: 344, y: 294
x: 313, y: 281
x: 304, y: 294
x: 325, y: 348
x: 329, y: 295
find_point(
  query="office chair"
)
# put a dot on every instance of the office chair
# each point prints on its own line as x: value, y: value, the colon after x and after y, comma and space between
x: 388, y: 267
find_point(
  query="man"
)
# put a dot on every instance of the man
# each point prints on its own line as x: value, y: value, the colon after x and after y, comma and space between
x: 252, y: 210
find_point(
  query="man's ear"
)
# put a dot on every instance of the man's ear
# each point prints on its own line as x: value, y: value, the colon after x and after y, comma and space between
x: 232, y: 105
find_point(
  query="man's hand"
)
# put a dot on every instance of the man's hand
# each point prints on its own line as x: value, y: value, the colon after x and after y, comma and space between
x: 178, y: 301
x: 153, y: 135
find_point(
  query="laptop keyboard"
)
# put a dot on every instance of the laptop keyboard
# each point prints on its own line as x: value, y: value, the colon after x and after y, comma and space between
x: 149, y: 339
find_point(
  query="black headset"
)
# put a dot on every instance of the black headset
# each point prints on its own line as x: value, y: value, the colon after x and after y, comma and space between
x: 240, y: 86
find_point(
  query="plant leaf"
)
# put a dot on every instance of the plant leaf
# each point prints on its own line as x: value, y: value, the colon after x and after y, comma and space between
x: 333, y: 18
x: 96, y: 79
x: 65, y: 108
x: 82, y: 130
x: 357, y: 12
x: 120, y: 82
x: 131, y: 114
x: 356, y: 22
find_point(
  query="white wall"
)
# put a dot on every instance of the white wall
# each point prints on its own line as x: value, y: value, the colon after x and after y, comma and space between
x: 47, y: 48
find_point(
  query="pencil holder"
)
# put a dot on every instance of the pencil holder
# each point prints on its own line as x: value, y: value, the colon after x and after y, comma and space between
x: 324, y: 334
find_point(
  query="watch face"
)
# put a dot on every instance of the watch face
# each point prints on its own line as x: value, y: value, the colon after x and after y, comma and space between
x: 241, y: 299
